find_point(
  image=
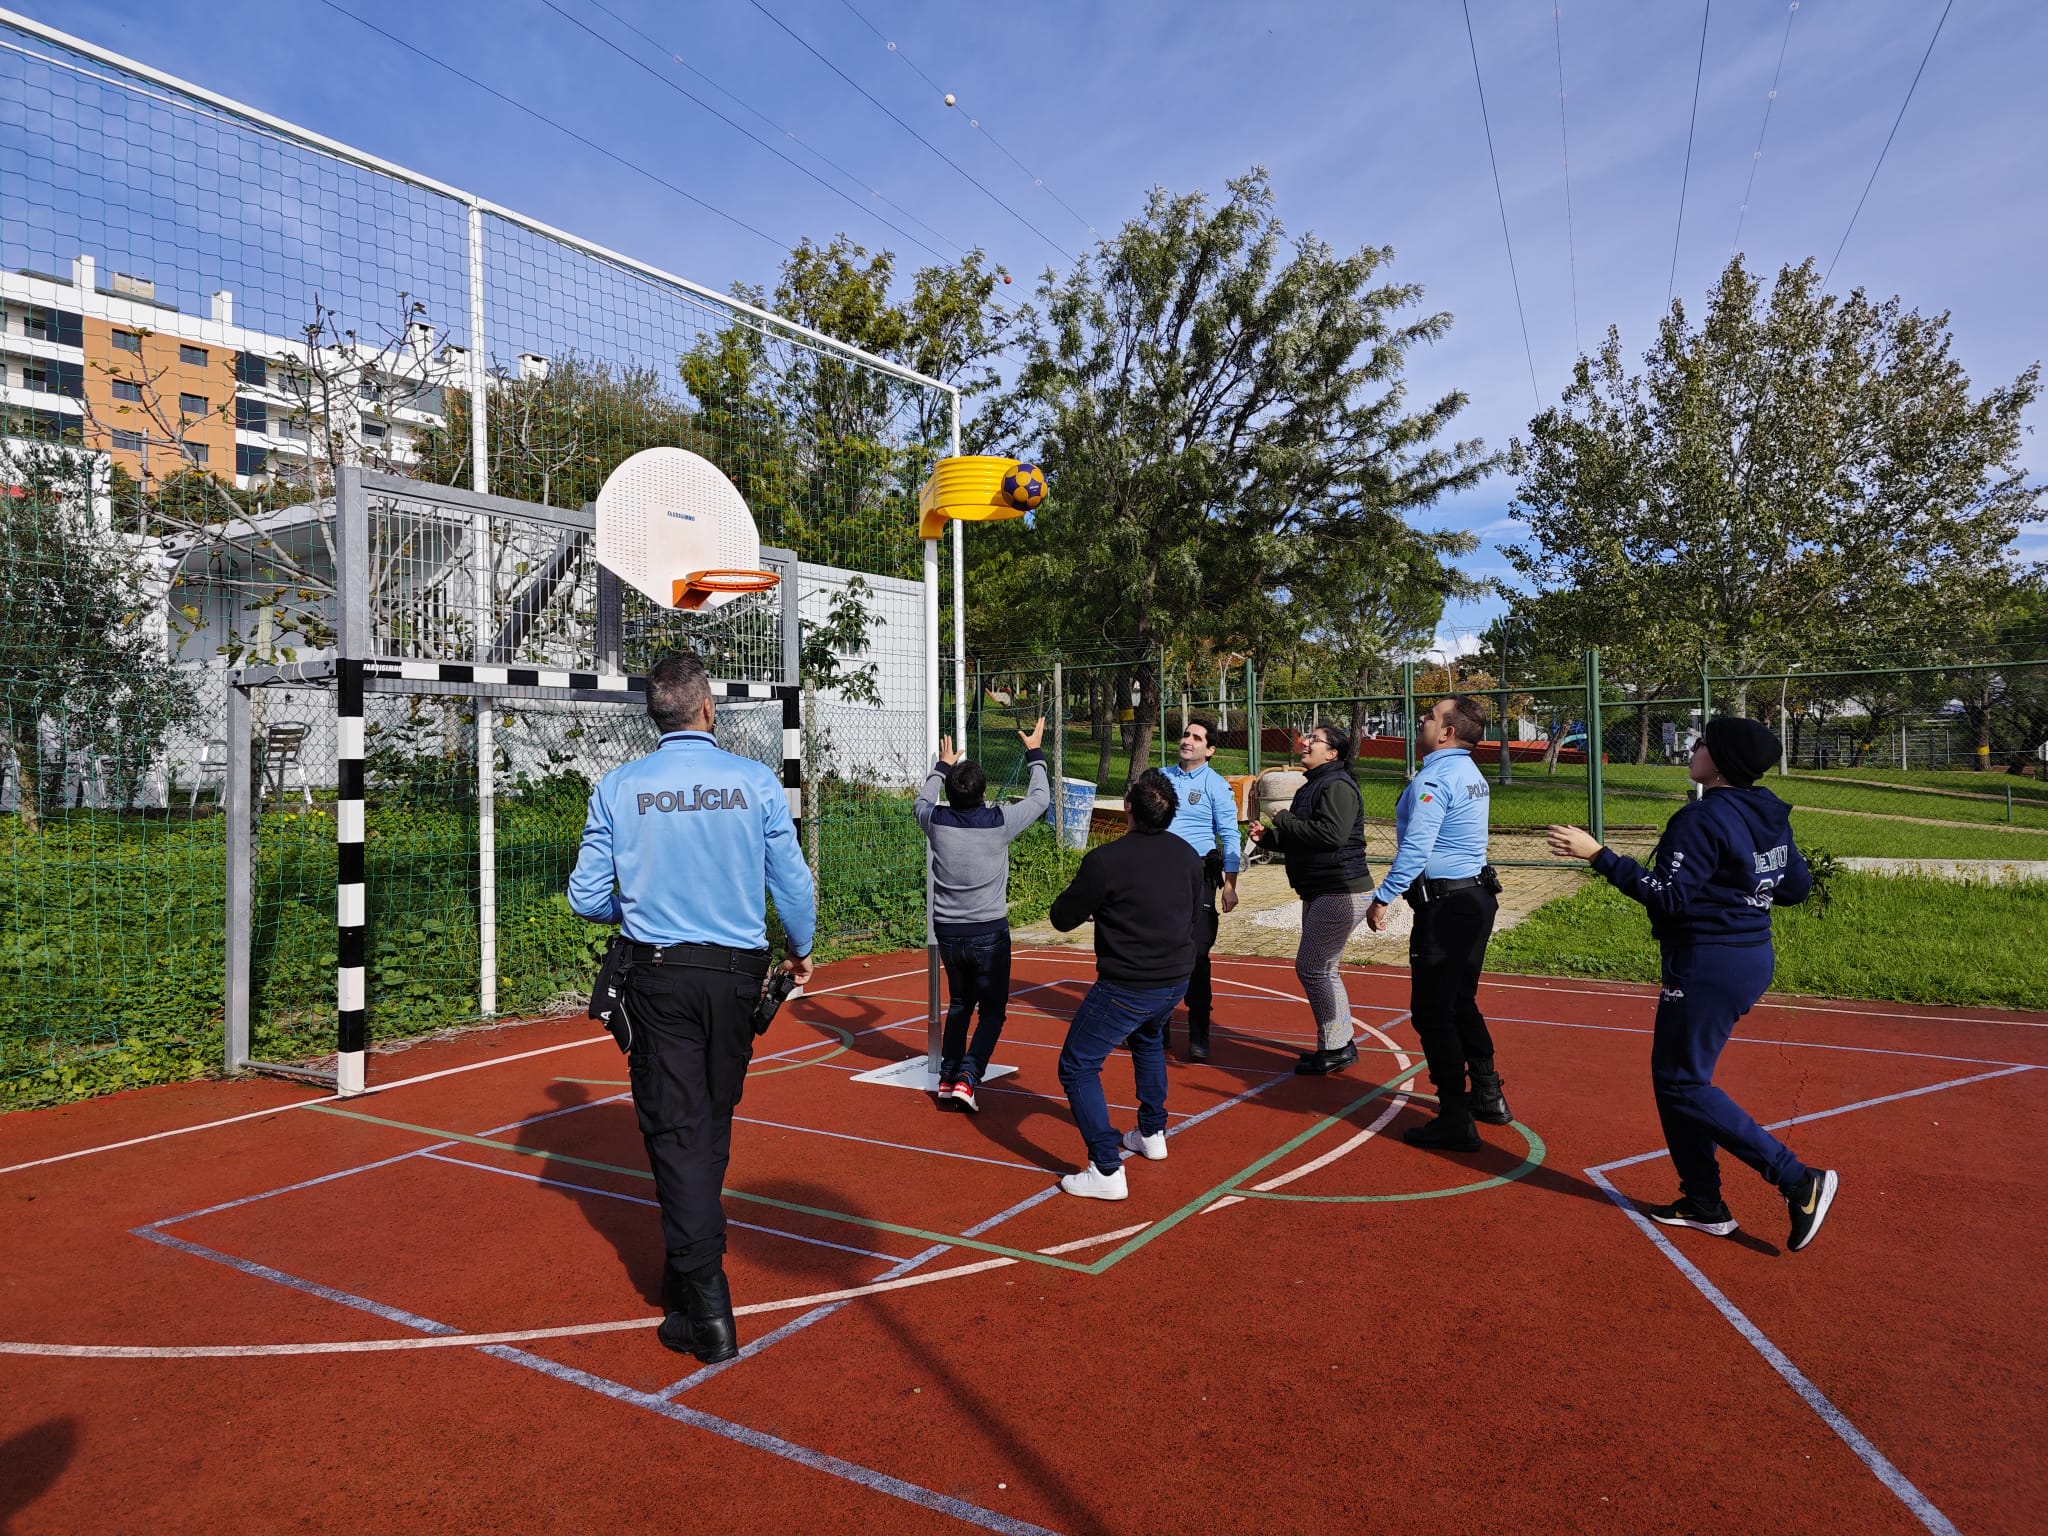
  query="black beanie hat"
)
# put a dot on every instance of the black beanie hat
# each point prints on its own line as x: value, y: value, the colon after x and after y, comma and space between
x: 1743, y: 749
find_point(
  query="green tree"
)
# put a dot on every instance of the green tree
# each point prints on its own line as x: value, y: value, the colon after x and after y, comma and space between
x: 1214, y: 402
x: 84, y: 668
x: 829, y: 451
x: 1797, y: 472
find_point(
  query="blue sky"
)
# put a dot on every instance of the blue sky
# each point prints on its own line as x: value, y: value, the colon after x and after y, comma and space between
x: 1366, y: 116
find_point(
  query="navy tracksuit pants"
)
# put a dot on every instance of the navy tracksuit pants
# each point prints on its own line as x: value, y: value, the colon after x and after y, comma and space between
x: 1707, y: 990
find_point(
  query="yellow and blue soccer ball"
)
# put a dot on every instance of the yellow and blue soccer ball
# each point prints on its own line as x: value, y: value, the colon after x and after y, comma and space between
x: 1024, y: 487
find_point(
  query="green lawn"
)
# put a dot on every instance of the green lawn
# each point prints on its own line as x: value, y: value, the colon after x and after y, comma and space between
x: 1905, y: 940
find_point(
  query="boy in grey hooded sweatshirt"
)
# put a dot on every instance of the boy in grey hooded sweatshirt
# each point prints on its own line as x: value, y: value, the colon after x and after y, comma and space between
x: 970, y: 902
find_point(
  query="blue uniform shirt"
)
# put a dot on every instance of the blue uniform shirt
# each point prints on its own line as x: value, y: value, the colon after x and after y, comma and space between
x: 1206, y: 815
x: 678, y: 843
x: 1439, y: 824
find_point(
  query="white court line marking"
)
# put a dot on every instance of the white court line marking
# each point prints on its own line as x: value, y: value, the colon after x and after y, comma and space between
x: 1226, y: 1201
x: 900, y: 1146
x: 463, y: 1340
x: 259, y: 1114
x: 1847, y: 1007
x: 1395, y: 1105
x: 1091, y: 1242
x: 1829, y: 1114
x: 1880, y: 1466
x: 1871, y: 1457
x: 613, y: 1194
x: 1804, y: 1045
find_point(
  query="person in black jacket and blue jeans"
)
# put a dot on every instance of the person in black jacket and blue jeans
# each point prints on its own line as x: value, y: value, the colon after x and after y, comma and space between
x: 1144, y: 893
x: 1723, y: 862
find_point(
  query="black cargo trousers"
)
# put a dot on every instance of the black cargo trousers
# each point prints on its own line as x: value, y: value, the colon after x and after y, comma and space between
x: 693, y: 1037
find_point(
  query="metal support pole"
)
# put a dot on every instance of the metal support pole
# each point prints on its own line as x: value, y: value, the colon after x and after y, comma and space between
x: 486, y: 626
x: 1408, y: 717
x: 351, y: 896
x: 1596, y: 788
x: 980, y: 745
x: 241, y: 872
x: 1706, y: 705
x: 1162, y: 706
x: 1251, y: 716
x: 931, y: 741
x: 813, y: 808
x: 1059, y: 761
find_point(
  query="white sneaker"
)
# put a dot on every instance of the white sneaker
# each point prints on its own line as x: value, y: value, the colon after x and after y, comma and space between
x: 1091, y: 1183
x: 1151, y: 1148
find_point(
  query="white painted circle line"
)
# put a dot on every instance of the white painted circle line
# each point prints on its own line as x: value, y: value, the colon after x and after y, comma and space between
x: 462, y: 1340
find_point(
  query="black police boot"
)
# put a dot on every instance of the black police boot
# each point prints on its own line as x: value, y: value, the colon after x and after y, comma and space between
x: 1451, y: 1131
x: 1198, y: 1039
x: 1489, y: 1101
x: 704, y: 1326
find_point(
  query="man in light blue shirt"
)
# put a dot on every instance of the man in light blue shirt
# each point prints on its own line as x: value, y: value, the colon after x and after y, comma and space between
x: 1440, y: 865
x: 1206, y: 820
x: 677, y: 846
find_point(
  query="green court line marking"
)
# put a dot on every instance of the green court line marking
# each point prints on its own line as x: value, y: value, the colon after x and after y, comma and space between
x: 1534, y: 1151
x: 1023, y: 1255
x: 1165, y: 1224
x: 845, y: 1044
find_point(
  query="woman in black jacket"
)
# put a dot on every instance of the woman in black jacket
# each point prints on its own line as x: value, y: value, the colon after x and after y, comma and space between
x: 1323, y: 836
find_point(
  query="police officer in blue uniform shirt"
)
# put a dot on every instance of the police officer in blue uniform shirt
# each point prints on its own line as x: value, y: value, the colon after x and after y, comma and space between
x: 1440, y: 828
x: 676, y: 848
x: 1205, y: 818
x: 1723, y: 862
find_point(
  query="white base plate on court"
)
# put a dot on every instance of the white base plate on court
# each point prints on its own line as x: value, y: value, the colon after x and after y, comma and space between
x: 913, y: 1072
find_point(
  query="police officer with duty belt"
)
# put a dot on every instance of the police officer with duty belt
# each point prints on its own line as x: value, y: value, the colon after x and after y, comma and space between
x: 676, y: 849
x: 1440, y: 865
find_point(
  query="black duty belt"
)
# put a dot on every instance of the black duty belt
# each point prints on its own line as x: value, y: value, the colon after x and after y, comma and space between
x: 701, y: 957
x: 1423, y: 892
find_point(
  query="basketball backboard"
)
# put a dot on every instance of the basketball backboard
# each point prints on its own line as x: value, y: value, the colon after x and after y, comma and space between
x: 670, y: 525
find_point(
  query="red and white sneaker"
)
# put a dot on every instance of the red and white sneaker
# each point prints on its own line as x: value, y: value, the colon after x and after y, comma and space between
x: 963, y: 1095
x: 944, y: 1096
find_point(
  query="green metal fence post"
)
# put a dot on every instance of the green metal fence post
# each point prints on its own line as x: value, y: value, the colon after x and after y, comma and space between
x: 980, y: 756
x: 1408, y: 717
x: 1251, y: 716
x: 1162, y: 706
x: 1596, y: 789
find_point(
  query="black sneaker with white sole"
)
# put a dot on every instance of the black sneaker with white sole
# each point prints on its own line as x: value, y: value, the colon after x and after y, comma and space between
x: 1809, y: 1205
x: 1697, y: 1214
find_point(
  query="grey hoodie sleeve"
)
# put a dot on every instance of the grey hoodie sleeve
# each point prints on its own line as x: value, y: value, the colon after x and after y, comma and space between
x: 928, y: 797
x: 1016, y: 818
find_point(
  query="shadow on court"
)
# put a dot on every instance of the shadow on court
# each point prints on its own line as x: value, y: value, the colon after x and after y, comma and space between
x: 31, y: 1461
x: 928, y: 1353
x: 632, y: 1228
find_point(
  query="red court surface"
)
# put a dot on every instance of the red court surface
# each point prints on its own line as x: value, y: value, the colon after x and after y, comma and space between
x: 244, y: 1306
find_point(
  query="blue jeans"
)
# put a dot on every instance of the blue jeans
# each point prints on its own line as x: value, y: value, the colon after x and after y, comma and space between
x: 1707, y: 989
x: 977, y: 976
x: 1112, y: 1015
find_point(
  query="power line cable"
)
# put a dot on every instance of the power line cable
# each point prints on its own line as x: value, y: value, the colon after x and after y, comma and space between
x: 787, y: 133
x: 1513, y: 277
x: 1888, y: 140
x: 1564, y: 140
x: 541, y: 117
x: 1769, y: 102
x: 927, y: 143
x: 772, y: 149
x: 1671, y: 283
x: 972, y: 122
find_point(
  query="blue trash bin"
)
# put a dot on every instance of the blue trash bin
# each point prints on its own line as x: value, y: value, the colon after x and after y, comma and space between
x: 1080, y: 798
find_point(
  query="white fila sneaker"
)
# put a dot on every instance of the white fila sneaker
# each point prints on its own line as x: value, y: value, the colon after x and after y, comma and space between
x: 1151, y: 1148
x: 1091, y: 1183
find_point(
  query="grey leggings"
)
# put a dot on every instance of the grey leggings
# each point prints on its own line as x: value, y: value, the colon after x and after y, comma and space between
x: 1327, y: 923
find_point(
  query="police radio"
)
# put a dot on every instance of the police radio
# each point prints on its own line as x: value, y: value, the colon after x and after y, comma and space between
x: 773, y: 994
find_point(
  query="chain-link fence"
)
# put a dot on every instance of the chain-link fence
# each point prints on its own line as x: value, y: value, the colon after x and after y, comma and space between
x: 208, y: 318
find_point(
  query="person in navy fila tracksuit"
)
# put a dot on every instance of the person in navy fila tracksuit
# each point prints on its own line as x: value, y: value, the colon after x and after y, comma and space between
x: 1723, y: 862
